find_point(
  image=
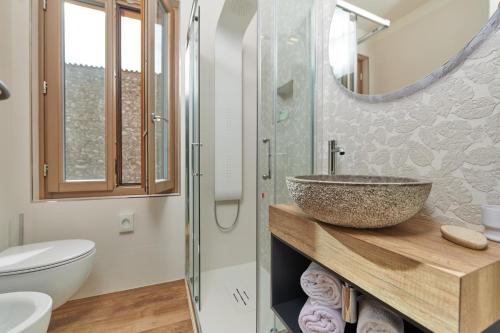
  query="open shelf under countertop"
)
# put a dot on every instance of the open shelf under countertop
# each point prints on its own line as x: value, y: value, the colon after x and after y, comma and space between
x: 410, y: 267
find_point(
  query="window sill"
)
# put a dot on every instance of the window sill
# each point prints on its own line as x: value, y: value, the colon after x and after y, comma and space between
x: 107, y: 197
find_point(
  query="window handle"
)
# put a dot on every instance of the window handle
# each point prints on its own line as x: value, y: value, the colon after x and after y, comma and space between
x: 156, y: 118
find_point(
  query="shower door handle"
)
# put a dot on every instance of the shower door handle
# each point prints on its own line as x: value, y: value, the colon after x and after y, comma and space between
x: 268, y: 175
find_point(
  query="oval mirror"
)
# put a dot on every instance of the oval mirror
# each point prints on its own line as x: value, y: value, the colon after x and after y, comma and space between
x: 379, y: 47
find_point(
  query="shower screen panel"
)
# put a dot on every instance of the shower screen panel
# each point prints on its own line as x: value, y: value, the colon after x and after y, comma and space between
x: 193, y: 146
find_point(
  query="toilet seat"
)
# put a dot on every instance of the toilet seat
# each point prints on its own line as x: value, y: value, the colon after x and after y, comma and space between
x: 41, y: 256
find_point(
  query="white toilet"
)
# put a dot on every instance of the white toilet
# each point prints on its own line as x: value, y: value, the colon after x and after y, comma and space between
x: 57, y: 268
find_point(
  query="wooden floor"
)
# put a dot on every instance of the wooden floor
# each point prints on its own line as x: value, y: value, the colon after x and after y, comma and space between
x: 161, y: 308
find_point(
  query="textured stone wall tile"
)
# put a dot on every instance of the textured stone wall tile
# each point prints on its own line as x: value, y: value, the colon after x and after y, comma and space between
x: 428, y: 137
x: 381, y: 157
x: 447, y: 94
x: 482, y: 53
x: 420, y: 155
x: 482, y: 73
x: 476, y: 108
x: 450, y: 128
x: 456, y: 189
x: 399, y: 157
x: 494, y: 88
x: 452, y: 160
x: 493, y: 125
x: 406, y: 126
x: 483, y: 156
x: 469, y: 213
x: 410, y: 171
x: 478, y: 133
x: 425, y: 115
x: 380, y: 136
x: 457, y: 142
x: 481, y: 180
x: 440, y: 199
x: 493, y: 198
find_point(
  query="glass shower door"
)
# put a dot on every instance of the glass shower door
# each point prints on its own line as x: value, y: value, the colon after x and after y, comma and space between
x: 286, y: 121
x: 193, y: 146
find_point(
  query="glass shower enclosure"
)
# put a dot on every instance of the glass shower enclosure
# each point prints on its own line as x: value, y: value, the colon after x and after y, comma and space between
x: 285, y: 146
x: 220, y: 235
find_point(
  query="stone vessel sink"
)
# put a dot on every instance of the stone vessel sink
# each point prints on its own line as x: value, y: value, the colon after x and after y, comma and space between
x: 359, y: 201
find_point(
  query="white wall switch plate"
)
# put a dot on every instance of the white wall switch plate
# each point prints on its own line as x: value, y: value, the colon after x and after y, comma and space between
x: 126, y: 223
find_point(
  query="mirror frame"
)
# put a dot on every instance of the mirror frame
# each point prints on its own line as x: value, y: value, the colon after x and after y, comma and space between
x: 490, y: 27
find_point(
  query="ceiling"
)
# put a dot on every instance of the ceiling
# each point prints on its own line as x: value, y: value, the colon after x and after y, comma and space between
x: 388, y: 9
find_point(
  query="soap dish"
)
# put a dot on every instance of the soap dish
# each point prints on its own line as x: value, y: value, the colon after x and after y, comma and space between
x: 464, y: 237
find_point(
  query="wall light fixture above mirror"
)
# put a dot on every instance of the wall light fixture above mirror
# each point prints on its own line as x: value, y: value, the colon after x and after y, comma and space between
x: 376, y: 48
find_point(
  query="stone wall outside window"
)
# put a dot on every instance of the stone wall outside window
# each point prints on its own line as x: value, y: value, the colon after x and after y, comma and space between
x: 85, y: 124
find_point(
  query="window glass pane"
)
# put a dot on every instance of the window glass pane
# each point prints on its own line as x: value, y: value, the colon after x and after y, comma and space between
x: 130, y: 99
x: 161, y: 93
x: 84, y: 91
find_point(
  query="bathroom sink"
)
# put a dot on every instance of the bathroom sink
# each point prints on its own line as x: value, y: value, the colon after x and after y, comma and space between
x: 25, y: 312
x: 359, y: 201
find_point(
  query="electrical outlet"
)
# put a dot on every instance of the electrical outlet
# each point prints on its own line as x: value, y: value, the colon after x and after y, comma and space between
x: 126, y: 223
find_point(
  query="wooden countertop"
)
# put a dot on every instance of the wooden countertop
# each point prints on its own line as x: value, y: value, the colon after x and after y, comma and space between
x: 442, y: 286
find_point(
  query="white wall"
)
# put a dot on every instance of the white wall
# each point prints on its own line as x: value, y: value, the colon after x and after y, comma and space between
x: 421, y: 41
x: 153, y: 254
x: 6, y: 212
x: 237, y: 247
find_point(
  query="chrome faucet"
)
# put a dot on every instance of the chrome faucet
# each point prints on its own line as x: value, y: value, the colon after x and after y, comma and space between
x: 333, y: 150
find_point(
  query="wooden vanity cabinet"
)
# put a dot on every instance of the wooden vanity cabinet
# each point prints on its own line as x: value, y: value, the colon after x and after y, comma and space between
x: 435, y: 285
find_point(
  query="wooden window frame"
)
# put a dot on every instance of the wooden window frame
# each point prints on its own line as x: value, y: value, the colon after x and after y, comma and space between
x: 50, y: 145
x: 171, y: 8
x: 124, y: 8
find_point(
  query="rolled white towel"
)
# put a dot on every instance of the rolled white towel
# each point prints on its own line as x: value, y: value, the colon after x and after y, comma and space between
x: 321, y: 286
x: 317, y: 318
x: 376, y: 318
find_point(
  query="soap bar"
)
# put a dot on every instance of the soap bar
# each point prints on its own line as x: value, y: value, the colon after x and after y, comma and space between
x: 464, y: 237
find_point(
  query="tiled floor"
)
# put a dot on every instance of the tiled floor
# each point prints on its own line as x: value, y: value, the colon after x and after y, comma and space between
x: 161, y: 308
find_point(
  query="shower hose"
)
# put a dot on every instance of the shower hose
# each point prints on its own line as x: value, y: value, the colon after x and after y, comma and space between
x: 232, y: 226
